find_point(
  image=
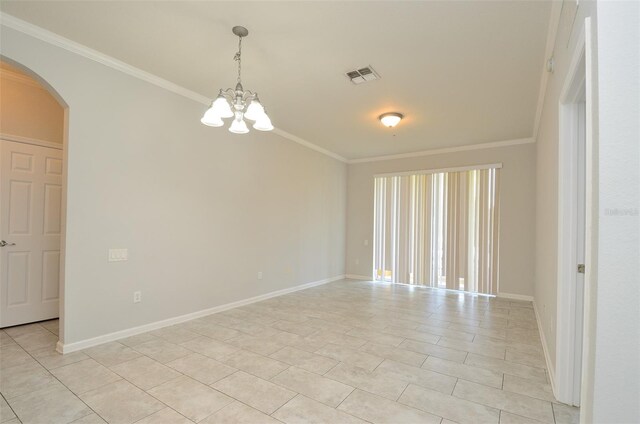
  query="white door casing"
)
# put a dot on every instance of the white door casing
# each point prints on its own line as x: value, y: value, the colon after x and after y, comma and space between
x: 575, y: 223
x: 30, y: 217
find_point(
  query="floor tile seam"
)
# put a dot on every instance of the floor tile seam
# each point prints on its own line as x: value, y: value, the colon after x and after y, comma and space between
x: 403, y: 390
x: 9, y: 405
x: 457, y: 397
x: 526, y: 418
x: 153, y: 387
x: 459, y: 363
x: 505, y: 391
x: 155, y: 412
x: 317, y: 375
x: 63, y: 385
x: 521, y: 363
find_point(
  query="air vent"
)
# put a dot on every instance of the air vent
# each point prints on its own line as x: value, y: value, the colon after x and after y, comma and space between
x: 362, y: 75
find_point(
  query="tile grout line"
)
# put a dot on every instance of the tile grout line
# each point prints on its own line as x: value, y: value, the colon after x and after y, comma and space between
x: 58, y: 380
x: 8, y: 404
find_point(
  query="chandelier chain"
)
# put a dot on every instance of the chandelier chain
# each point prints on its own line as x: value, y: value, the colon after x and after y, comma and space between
x: 238, y: 58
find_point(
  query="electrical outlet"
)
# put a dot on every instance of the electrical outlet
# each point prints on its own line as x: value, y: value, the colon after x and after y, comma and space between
x: 259, y: 275
x: 357, y: 261
x: 137, y: 297
x: 366, y: 243
x: 118, y: 255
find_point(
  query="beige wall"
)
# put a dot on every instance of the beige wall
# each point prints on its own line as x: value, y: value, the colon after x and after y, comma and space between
x: 517, y: 209
x: 27, y: 109
x: 201, y: 210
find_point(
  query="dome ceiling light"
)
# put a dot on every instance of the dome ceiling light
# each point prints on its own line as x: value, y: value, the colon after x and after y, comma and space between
x: 390, y: 119
x: 237, y: 103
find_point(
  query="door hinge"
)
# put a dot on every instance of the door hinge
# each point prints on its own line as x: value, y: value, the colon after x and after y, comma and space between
x: 580, y: 268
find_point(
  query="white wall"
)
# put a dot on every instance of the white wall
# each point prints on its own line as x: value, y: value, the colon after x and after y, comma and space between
x: 616, y: 359
x: 517, y: 208
x: 200, y: 210
x: 611, y: 369
x: 27, y: 109
x: 546, y: 254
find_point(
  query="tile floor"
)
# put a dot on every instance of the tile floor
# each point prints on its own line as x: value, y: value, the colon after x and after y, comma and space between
x: 345, y: 352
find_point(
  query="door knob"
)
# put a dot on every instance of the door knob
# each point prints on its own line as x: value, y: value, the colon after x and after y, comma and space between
x: 4, y: 243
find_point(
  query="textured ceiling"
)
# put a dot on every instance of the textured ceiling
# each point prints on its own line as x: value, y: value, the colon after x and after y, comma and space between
x: 462, y: 72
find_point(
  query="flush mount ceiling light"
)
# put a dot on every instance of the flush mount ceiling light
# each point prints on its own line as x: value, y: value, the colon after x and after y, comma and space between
x: 237, y: 103
x: 390, y: 119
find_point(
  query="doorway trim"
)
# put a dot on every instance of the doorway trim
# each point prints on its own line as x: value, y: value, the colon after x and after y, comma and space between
x: 33, y: 141
x: 65, y: 166
x: 571, y: 317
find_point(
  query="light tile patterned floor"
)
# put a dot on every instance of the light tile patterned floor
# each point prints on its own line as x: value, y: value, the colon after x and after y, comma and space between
x: 345, y: 352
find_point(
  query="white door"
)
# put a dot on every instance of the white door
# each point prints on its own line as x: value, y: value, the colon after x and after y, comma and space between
x: 30, y: 227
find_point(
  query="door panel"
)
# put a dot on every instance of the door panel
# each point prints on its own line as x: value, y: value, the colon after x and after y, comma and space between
x: 30, y: 217
x: 50, y: 274
x: 18, y: 265
x: 19, y: 204
x: 52, y: 209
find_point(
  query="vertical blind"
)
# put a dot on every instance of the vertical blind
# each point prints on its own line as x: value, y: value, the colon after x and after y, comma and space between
x: 438, y: 229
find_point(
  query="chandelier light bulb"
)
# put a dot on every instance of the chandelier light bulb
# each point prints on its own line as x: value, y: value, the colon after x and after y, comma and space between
x: 263, y: 123
x: 254, y: 111
x: 238, y: 126
x: 390, y: 119
x: 212, y: 118
x: 221, y: 105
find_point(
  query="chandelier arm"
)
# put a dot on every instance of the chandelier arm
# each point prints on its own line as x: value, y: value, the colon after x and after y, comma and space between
x: 229, y: 93
x: 249, y: 95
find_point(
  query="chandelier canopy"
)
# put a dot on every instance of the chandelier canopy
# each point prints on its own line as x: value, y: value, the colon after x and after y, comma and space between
x: 237, y: 103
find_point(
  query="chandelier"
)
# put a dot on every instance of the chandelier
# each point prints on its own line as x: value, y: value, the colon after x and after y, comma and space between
x: 237, y: 103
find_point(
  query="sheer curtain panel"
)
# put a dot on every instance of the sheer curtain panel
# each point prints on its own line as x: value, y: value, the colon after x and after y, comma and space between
x: 438, y: 229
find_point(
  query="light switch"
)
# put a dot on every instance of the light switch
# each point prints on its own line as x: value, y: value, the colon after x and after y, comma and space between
x: 118, y: 255
x: 366, y: 242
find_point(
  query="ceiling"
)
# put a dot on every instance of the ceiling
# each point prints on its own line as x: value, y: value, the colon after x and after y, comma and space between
x: 463, y: 73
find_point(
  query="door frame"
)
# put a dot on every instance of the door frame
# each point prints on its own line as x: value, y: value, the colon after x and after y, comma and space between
x: 65, y: 172
x: 571, y: 317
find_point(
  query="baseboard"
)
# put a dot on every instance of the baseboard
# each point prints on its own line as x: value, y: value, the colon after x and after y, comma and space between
x: 358, y: 277
x: 515, y: 296
x: 545, y: 349
x: 83, y: 344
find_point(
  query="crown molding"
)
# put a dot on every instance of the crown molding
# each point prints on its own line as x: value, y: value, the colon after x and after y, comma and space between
x: 552, y: 34
x: 492, y: 145
x: 89, y: 53
x: 310, y: 145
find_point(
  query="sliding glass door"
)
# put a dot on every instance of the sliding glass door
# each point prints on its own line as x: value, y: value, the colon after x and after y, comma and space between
x: 438, y: 229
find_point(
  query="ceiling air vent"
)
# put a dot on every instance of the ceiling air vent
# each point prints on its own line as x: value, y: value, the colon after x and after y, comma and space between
x: 362, y: 75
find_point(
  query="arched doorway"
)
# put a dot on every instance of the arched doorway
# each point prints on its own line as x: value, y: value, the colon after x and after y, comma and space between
x: 32, y: 201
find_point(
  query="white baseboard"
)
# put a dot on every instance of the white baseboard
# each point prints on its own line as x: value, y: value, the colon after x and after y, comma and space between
x: 545, y: 349
x: 358, y: 277
x: 515, y: 296
x: 83, y: 344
